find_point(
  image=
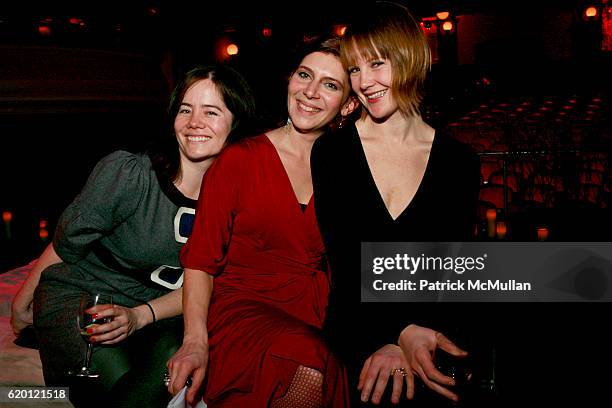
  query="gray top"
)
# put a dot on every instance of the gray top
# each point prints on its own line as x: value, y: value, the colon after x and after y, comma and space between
x: 122, y: 233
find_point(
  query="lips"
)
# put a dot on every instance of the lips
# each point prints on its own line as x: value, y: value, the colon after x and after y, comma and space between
x: 198, y: 138
x: 307, y: 108
x: 376, y: 96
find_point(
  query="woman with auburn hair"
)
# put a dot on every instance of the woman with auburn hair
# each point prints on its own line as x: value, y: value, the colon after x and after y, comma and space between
x: 398, y: 179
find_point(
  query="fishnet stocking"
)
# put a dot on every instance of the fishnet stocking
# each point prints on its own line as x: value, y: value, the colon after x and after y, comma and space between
x: 305, y: 391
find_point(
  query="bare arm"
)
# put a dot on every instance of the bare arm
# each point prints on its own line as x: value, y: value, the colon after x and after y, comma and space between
x: 21, y: 309
x: 192, y: 358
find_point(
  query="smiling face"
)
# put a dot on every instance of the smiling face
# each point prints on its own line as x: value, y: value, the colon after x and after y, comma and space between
x: 202, y: 123
x: 372, y: 82
x: 317, y: 89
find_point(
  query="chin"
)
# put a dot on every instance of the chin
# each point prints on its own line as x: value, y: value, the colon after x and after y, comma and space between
x: 202, y: 155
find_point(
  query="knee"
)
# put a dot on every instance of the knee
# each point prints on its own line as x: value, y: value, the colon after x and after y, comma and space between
x: 311, y: 376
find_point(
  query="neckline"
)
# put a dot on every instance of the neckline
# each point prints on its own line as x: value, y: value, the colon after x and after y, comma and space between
x: 377, y: 193
x: 287, y: 179
x: 172, y: 193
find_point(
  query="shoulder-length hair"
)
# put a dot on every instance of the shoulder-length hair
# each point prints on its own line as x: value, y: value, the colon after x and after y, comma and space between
x: 388, y: 30
x: 238, y: 98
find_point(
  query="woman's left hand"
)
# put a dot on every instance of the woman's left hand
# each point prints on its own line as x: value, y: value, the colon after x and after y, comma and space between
x: 125, y: 321
x: 388, y: 361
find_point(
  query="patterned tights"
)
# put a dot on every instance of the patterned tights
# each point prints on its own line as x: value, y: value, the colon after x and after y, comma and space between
x: 305, y: 391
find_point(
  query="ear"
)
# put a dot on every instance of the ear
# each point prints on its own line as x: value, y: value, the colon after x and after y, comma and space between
x: 349, y: 106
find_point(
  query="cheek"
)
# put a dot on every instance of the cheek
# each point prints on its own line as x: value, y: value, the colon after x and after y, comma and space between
x: 223, y: 128
x: 292, y: 89
x: 355, y: 82
x: 178, y: 124
x: 334, y: 102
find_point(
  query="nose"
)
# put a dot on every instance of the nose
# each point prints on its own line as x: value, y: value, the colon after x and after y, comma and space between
x: 365, y: 79
x: 196, y: 121
x: 311, y: 91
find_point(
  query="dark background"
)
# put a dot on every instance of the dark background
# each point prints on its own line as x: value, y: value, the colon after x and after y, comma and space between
x: 71, y: 97
x: 100, y: 79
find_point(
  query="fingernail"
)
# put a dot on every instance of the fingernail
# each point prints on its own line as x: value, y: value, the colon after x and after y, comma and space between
x: 94, y: 316
x: 90, y: 330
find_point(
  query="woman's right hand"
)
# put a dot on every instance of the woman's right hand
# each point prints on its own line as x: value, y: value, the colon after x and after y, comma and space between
x: 21, y: 313
x: 190, y: 360
x: 21, y: 308
x: 388, y: 363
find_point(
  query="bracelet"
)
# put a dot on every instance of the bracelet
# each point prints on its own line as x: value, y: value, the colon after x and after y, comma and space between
x: 152, y: 312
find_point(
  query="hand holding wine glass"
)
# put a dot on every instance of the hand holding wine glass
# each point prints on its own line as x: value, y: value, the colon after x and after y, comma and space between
x: 123, y: 321
x: 87, y: 320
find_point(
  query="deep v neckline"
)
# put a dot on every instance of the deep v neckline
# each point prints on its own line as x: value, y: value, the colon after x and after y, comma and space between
x: 379, y: 197
x: 288, y: 180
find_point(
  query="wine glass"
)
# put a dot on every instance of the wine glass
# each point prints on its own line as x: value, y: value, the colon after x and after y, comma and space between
x: 86, y: 321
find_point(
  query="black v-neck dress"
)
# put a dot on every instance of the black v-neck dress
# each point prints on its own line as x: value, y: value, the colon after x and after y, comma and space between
x: 350, y: 210
x: 539, y: 351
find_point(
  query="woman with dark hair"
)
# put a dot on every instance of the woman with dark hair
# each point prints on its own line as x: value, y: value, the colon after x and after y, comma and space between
x: 256, y: 285
x: 388, y: 177
x: 121, y: 236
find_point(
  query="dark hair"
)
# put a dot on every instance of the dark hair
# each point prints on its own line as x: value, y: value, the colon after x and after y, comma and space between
x: 326, y: 45
x: 238, y: 98
x: 388, y: 30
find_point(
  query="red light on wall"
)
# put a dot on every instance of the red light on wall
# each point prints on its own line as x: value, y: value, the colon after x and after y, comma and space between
x: 339, y: 30
x: 76, y: 21
x: 44, y: 31
x: 7, y: 216
x: 501, y: 229
x: 225, y: 48
x: 231, y: 49
x: 542, y: 234
x: 590, y: 12
x: 266, y: 32
x: 443, y: 15
x: 447, y: 26
x: 43, y: 234
x: 428, y: 24
x: 491, y: 216
x: 43, y: 223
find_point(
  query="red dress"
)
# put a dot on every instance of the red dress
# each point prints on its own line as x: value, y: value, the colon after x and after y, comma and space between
x: 271, y: 287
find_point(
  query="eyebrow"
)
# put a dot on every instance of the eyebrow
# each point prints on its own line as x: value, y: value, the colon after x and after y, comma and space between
x: 203, y: 105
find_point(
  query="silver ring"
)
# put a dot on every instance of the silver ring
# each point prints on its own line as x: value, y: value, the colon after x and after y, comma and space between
x: 167, y: 379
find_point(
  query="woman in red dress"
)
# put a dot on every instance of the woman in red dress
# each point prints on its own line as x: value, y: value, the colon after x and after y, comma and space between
x: 256, y: 240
